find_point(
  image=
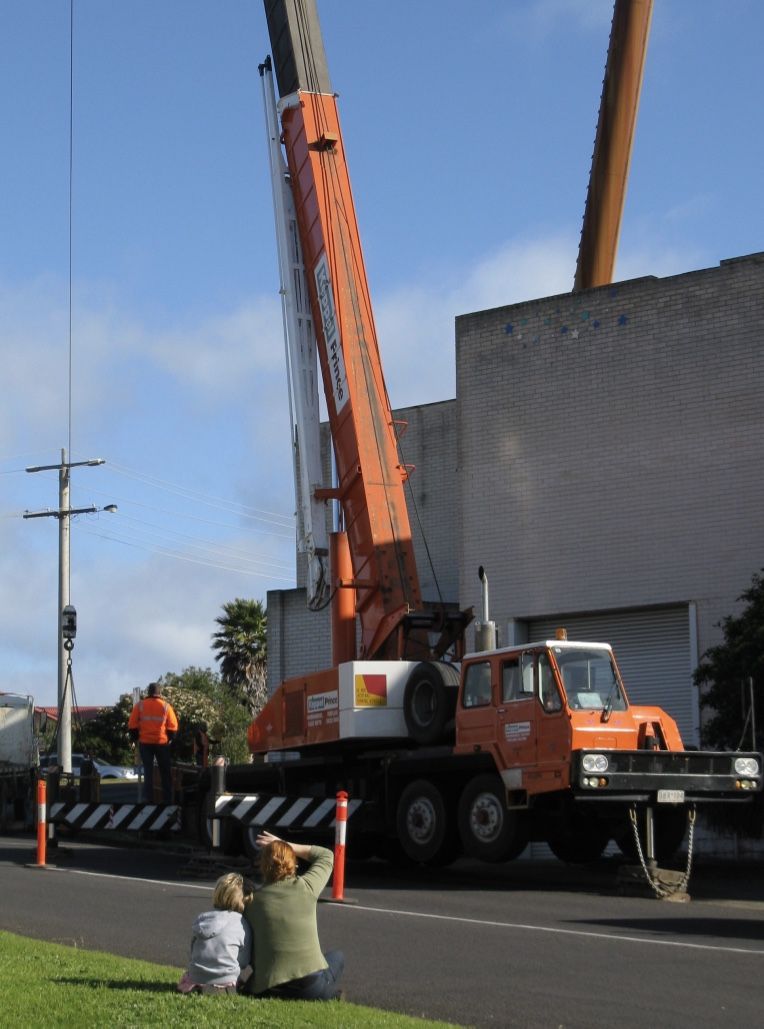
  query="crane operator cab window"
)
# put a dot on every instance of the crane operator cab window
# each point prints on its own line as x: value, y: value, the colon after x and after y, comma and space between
x: 477, y: 685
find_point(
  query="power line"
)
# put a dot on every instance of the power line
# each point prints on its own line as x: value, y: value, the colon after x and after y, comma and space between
x: 198, y: 518
x: 71, y: 191
x: 198, y: 544
x: 186, y: 557
x: 204, y: 498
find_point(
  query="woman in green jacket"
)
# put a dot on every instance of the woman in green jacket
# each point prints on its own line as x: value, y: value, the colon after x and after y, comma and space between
x: 289, y: 962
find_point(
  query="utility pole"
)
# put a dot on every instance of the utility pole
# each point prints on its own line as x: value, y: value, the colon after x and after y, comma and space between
x: 66, y: 628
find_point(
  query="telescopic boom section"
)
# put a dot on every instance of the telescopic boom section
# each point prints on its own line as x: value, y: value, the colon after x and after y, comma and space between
x: 370, y: 474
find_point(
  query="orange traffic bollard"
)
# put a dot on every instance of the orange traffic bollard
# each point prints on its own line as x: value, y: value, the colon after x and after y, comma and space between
x: 41, y: 822
x: 340, y: 828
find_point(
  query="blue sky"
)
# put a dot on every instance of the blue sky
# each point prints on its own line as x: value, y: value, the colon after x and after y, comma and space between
x: 469, y: 129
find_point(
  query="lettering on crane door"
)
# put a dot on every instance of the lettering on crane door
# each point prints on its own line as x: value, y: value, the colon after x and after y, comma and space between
x: 331, y: 333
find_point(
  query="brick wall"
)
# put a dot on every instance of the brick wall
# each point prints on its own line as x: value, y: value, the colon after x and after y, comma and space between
x: 611, y: 446
x: 605, y: 451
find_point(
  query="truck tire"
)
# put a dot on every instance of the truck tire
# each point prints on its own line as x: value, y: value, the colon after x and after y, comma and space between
x: 429, y: 701
x: 488, y: 830
x: 426, y: 832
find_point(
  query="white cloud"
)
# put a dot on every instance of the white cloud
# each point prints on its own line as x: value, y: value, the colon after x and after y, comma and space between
x: 416, y: 324
x: 138, y: 618
x: 544, y: 17
x: 112, y: 354
x: 229, y: 354
x: 222, y: 392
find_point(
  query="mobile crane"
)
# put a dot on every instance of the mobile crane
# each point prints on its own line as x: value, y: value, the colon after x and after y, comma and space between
x: 441, y: 752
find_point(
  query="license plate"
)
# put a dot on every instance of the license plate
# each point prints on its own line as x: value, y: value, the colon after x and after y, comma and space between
x: 671, y: 796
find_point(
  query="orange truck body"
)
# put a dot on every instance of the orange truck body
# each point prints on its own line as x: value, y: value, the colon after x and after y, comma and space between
x: 538, y: 742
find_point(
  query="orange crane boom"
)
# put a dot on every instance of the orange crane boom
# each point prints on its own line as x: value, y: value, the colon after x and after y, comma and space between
x: 370, y: 475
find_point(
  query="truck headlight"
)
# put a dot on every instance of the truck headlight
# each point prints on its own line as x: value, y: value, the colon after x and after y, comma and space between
x: 595, y: 763
x: 746, y: 766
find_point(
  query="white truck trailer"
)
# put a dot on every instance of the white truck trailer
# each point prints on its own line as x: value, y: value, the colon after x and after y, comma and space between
x: 19, y: 759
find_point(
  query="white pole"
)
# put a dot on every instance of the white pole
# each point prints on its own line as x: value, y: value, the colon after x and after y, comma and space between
x: 64, y: 689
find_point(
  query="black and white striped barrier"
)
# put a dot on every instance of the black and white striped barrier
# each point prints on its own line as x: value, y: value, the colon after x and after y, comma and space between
x: 280, y: 812
x: 125, y: 817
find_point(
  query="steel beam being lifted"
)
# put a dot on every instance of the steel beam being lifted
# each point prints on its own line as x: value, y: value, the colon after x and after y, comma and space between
x: 613, y: 143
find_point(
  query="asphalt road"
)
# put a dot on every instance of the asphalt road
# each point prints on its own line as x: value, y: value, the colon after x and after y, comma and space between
x: 526, y: 944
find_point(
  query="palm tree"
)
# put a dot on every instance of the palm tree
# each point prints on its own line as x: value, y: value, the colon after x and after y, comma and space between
x: 240, y: 647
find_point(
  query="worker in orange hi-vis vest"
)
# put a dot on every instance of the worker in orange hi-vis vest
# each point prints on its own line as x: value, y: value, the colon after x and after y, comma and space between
x: 153, y: 723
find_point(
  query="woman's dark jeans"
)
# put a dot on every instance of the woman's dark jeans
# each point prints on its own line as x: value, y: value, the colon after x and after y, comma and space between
x: 316, y: 986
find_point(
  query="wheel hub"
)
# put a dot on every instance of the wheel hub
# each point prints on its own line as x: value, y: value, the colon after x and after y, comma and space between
x: 486, y: 818
x: 421, y: 821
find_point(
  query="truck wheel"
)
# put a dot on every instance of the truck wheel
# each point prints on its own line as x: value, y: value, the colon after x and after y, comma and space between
x: 429, y: 701
x: 425, y: 827
x: 488, y: 830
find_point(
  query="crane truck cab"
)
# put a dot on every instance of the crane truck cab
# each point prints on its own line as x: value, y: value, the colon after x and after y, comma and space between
x: 573, y: 759
x: 533, y: 707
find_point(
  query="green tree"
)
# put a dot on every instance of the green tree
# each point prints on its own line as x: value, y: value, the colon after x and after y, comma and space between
x: 725, y: 671
x: 197, y: 695
x: 240, y: 646
x: 105, y: 736
x: 724, y: 676
x: 200, y: 695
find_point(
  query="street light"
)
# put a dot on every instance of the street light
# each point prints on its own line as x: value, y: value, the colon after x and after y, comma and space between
x: 64, y: 515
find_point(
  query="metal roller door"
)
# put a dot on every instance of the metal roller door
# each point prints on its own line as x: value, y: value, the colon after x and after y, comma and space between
x: 652, y: 647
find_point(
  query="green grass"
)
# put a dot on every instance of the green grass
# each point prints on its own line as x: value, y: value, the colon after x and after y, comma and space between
x: 48, y: 984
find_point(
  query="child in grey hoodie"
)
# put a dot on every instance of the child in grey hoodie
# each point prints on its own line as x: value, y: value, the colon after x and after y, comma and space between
x: 221, y: 946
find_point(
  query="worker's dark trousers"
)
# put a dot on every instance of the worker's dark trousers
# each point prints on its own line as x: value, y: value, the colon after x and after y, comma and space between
x: 160, y: 751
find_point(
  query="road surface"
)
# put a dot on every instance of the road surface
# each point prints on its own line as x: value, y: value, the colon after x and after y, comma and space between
x: 526, y: 944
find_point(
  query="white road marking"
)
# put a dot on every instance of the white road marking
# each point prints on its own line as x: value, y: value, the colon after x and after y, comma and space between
x: 132, y: 878
x: 588, y: 934
x: 561, y: 932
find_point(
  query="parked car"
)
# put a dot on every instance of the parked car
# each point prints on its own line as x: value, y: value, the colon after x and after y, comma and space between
x: 104, y: 769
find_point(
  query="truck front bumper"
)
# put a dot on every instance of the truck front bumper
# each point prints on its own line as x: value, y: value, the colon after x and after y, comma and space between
x: 662, y: 776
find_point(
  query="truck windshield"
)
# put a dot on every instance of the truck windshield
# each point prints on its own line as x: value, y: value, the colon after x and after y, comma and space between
x: 590, y: 679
